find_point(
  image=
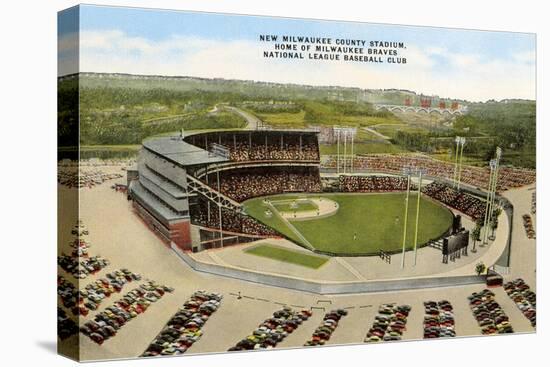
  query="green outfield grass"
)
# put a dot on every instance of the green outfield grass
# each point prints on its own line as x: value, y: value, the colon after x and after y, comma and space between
x: 364, y: 223
x: 286, y: 255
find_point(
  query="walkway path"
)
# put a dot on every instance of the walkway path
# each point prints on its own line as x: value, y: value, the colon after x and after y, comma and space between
x: 374, y: 132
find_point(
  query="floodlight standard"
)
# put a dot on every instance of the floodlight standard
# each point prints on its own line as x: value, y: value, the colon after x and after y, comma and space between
x: 492, y: 165
x: 207, y: 201
x: 220, y: 210
x: 352, y: 156
x: 337, y: 150
x: 345, y: 148
x: 419, y: 193
x: 407, y: 171
x: 457, y: 141
x: 462, y: 142
x: 495, y: 179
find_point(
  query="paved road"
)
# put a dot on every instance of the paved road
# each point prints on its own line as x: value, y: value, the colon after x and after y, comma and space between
x: 252, y: 122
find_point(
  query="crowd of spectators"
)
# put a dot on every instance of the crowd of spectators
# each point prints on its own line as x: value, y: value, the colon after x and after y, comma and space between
x: 185, y: 327
x: 509, y: 177
x: 262, y: 147
x: 389, y: 324
x: 459, y: 200
x: 524, y: 298
x: 488, y: 313
x: 243, y: 184
x: 231, y: 220
x: 528, y: 225
x: 439, y: 320
x: 242, y: 152
x: 324, y: 331
x: 372, y: 183
x: 106, y: 323
x: 273, y: 330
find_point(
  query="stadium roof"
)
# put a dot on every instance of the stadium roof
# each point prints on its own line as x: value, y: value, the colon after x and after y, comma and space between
x: 181, y: 152
x: 303, y: 130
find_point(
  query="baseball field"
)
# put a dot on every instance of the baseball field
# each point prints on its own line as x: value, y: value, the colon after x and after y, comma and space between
x: 362, y: 223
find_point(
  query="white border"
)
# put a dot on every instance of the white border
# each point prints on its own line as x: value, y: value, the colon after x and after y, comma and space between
x: 28, y: 187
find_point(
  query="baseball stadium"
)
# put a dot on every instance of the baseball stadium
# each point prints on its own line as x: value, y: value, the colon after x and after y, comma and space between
x: 258, y: 205
x: 236, y: 226
x: 213, y: 200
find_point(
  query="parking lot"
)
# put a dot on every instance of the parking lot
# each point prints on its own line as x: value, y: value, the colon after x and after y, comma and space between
x: 118, y: 235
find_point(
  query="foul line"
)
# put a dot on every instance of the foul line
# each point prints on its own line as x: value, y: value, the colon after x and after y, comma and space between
x: 290, y: 226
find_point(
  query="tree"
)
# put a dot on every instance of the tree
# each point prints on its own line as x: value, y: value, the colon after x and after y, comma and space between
x: 474, y: 235
x: 480, y: 268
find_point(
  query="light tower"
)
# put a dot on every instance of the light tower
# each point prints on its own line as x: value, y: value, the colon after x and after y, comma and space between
x: 407, y: 171
x: 346, y: 160
x: 220, y: 209
x: 495, y: 181
x: 462, y: 142
x: 494, y: 188
x: 491, y: 194
x: 345, y: 147
x: 457, y: 141
x: 337, y: 150
x: 492, y: 165
x: 418, y: 195
x: 352, y: 155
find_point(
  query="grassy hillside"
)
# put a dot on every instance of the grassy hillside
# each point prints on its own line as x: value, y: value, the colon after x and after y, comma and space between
x: 125, y: 109
x: 117, y: 115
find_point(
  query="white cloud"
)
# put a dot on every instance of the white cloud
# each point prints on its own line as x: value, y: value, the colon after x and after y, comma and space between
x: 468, y: 76
x: 526, y: 57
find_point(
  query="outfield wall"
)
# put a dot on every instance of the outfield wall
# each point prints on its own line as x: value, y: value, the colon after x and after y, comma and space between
x: 328, y: 287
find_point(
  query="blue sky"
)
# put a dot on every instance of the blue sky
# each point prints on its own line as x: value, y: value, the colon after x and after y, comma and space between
x: 147, y: 41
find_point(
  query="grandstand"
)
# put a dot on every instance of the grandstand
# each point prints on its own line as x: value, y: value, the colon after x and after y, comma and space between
x: 198, y: 179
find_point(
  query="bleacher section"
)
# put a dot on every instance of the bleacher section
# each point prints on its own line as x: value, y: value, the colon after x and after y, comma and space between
x: 459, y: 200
x: 509, y: 177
